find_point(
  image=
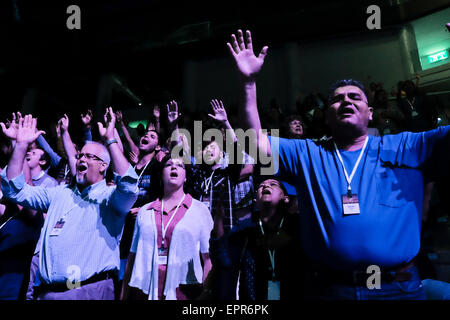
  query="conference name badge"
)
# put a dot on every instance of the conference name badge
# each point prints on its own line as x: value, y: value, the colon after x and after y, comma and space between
x: 350, y: 204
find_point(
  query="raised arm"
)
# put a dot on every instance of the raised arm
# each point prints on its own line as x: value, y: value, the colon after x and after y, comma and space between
x: 119, y: 162
x: 248, y: 66
x: 69, y: 148
x: 24, y: 135
x: 86, y: 120
x: 157, y: 115
x: 133, y: 148
x: 221, y: 115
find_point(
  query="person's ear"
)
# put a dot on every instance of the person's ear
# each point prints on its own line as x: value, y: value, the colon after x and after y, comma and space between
x: 104, y: 168
x: 286, y: 199
x: 370, y: 113
x: 42, y: 163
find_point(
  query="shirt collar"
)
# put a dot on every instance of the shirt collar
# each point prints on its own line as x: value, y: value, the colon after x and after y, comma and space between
x: 38, y: 176
x: 156, y: 205
x: 91, y: 188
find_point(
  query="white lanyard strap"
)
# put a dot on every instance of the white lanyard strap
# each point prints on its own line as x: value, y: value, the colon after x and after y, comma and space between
x: 164, y: 229
x: 145, y: 167
x: 208, y: 181
x: 349, y: 179
x: 271, y: 252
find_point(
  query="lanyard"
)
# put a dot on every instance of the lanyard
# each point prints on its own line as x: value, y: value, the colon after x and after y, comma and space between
x: 207, y: 182
x: 349, y: 179
x: 164, y: 229
x: 271, y: 252
x: 145, y: 167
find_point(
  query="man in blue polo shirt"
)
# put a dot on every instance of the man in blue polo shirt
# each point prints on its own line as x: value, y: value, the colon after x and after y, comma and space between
x: 360, y: 196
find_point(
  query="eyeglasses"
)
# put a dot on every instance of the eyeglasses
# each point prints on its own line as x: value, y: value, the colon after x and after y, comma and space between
x: 88, y: 156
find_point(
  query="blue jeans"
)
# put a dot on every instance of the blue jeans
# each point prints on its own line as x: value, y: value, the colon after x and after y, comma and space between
x: 406, y: 290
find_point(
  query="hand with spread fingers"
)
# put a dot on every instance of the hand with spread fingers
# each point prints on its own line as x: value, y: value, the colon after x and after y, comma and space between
x: 219, y: 111
x: 27, y: 132
x: 10, y: 128
x: 172, y: 111
x: 247, y: 63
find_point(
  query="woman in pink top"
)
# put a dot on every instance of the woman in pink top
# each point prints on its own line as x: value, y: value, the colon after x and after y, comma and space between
x: 164, y: 261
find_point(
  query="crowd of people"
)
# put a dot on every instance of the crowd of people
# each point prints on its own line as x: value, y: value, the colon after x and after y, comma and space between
x: 110, y: 212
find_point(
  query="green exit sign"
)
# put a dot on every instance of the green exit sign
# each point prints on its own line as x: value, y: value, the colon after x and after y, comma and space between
x: 438, y: 56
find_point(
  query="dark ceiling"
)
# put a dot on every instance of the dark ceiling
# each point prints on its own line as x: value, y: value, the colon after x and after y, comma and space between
x: 147, y: 42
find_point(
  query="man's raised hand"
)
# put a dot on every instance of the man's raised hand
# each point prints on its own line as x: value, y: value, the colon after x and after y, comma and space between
x: 247, y: 63
x: 10, y: 128
x: 219, y: 111
x: 172, y: 111
x: 87, y: 118
x: 107, y: 131
x: 27, y: 132
x: 63, y: 123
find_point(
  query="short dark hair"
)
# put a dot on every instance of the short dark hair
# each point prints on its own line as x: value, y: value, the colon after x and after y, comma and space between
x: 344, y: 83
x: 46, y: 157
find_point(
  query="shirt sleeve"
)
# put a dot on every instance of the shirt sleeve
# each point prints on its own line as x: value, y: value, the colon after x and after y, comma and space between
x: 286, y: 156
x: 87, y: 134
x: 54, y: 157
x: 429, y: 150
x: 126, y: 192
x: 33, y: 197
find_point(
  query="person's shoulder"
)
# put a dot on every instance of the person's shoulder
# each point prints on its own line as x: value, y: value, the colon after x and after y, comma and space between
x: 196, y: 204
x: 49, y: 181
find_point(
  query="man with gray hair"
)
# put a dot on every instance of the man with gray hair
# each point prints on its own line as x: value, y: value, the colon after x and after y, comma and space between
x: 79, y: 242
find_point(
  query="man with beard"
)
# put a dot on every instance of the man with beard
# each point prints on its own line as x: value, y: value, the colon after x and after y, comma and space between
x: 79, y: 242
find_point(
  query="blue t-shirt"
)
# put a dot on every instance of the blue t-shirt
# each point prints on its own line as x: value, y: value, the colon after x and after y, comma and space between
x: 389, y: 184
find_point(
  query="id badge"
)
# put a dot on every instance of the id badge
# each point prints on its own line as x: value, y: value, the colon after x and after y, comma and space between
x: 350, y: 204
x: 57, y: 228
x: 273, y: 290
x: 162, y: 255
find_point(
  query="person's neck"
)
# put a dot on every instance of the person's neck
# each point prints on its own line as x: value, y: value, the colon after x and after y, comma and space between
x: 145, y: 159
x: 350, y: 143
x: 35, y: 171
x: 173, y: 194
x: 267, y: 213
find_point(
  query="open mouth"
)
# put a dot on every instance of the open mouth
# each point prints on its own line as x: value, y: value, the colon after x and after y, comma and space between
x: 265, y: 191
x: 145, y: 141
x: 174, y: 174
x: 82, y: 168
x: 346, y: 111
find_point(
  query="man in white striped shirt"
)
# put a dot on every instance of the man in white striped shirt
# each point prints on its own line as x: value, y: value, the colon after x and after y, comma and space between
x: 79, y: 242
